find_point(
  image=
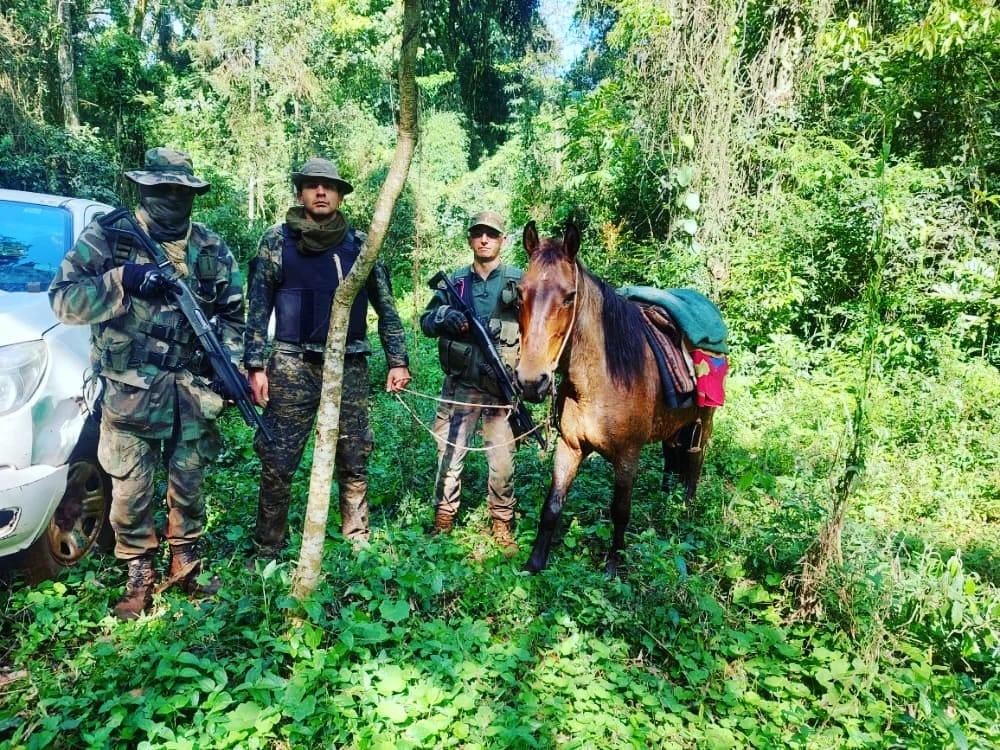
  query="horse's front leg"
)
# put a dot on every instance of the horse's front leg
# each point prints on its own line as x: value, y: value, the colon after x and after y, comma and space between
x: 626, y: 469
x: 564, y: 467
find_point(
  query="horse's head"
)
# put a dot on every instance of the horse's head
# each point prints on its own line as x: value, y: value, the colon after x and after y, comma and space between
x: 547, y: 300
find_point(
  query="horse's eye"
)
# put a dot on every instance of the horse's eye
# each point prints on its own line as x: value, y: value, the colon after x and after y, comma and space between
x: 569, y: 299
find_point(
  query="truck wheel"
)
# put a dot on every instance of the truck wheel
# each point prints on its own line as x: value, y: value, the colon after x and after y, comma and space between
x: 80, y: 522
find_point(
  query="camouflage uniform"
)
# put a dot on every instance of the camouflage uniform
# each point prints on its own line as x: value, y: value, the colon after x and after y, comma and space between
x: 144, y: 352
x: 295, y: 373
x: 454, y: 424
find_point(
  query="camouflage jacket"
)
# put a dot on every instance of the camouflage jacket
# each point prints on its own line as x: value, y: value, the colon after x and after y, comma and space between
x: 265, y: 280
x: 145, y: 352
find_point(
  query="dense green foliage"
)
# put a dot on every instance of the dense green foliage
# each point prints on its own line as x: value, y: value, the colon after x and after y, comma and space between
x: 421, y: 642
x: 830, y: 174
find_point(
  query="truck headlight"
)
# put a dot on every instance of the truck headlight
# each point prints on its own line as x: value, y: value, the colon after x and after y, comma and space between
x: 21, y: 369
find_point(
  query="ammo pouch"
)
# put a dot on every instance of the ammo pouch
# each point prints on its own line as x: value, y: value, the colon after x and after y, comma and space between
x: 119, y: 351
x: 460, y: 359
x: 507, y: 335
x: 464, y: 362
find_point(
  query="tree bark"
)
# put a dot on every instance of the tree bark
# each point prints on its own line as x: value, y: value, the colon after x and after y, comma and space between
x: 67, y: 68
x: 328, y: 419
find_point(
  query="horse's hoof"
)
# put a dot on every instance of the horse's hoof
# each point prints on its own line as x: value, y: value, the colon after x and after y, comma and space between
x: 612, y: 570
x: 532, y: 566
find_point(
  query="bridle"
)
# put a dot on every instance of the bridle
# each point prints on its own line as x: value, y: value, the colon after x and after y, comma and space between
x: 572, y: 325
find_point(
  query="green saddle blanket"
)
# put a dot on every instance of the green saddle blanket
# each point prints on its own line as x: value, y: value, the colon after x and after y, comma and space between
x: 695, y: 314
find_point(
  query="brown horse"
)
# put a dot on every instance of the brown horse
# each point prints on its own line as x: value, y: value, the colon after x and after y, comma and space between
x: 610, y: 398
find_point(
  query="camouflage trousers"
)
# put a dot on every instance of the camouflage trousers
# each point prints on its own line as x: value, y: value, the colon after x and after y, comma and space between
x: 131, y: 461
x: 454, y: 426
x: 294, y: 392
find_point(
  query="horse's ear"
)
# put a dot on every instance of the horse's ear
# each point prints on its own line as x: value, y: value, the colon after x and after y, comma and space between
x: 571, y: 240
x: 530, y: 238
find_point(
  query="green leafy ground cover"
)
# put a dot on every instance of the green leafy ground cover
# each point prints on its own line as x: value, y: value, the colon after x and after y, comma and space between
x: 419, y: 642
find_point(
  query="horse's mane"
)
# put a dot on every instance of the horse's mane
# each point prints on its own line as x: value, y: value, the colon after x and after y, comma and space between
x: 624, y: 343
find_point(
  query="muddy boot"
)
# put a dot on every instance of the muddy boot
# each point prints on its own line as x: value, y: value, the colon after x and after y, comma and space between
x: 442, y: 523
x: 503, y: 537
x: 138, y: 589
x: 185, y: 566
x: 354, y: 511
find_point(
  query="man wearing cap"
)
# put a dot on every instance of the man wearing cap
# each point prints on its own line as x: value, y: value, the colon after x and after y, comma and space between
x: 469, y: 394
x: 158, y: 399
x: 299, y: 265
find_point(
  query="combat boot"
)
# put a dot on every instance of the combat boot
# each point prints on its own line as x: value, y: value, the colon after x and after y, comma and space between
x: 442, y: 523
x: 503, y: 537
x: 138, y: 588
x: 185, y: 566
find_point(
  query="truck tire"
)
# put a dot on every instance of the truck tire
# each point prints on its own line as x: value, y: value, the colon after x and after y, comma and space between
x: 80, y: 522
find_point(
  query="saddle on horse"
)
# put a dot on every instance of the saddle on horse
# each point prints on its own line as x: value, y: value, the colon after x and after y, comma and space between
x: 688, y: 337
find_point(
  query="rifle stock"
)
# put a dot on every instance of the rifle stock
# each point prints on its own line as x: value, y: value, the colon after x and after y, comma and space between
x: 218, y: 358
x: 520, y: 418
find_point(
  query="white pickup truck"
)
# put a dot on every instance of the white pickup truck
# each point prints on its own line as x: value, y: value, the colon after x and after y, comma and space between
x: 54, y: 496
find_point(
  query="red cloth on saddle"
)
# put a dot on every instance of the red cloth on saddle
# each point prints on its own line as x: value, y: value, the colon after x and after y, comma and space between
x: 710, y: 369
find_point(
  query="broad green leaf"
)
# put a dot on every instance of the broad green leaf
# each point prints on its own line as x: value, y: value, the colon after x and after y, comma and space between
x: 243, y: 717
x: 391, y: 710
x: 303, y: 709
x: 395, y: 612
x: 391, y: 680
x: 683, y: 176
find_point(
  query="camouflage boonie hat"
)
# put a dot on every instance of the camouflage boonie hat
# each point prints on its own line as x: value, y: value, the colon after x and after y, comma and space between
x: 321, y: 169
x: 165, y: 166
x: 489, y: 219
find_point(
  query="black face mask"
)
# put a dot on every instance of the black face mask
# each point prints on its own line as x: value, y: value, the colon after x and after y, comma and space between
x: 169, y: 208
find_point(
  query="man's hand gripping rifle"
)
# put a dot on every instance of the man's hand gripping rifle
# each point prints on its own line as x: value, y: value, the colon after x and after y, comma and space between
x: 231, y: 381
x: 520, y: 418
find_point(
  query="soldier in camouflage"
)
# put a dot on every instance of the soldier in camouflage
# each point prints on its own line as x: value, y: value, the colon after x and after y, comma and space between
x: 300, y: 263
x: 158, y: 400
x: 469, y: 392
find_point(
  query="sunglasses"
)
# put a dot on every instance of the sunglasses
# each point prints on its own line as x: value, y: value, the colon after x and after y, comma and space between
x: 488, y: 231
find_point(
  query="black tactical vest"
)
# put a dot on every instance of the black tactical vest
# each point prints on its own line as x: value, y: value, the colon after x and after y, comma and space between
x: 309, y: 281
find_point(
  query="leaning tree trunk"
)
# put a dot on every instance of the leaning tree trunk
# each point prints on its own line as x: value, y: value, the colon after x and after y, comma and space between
x: 64, y: 61
x: 328, y: 420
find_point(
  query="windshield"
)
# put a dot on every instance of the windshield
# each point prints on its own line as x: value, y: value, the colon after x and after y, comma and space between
x: 33, y: 241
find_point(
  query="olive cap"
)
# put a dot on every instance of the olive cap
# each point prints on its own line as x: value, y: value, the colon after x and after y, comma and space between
x: 489, y: 219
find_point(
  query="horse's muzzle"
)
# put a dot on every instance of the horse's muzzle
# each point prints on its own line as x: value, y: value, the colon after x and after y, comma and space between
x: 536, y: 389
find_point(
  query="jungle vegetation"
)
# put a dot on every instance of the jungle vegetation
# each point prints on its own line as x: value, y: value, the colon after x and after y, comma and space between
x: 828, y: 172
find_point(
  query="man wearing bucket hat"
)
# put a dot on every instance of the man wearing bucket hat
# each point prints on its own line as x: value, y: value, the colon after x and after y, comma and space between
x: 158, y: 400
x: 469, y: 394
x: 299, y: 265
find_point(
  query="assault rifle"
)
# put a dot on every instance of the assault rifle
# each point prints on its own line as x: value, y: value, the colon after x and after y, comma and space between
x: 519, y: 418
x: 230, y: 378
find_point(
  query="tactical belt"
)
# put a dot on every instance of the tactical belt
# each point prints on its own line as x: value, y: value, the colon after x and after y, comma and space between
x: 306, y: 355
x: 311, y: 357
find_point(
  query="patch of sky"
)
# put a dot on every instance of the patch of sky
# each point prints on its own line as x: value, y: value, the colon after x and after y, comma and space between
x: 558, y: 16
